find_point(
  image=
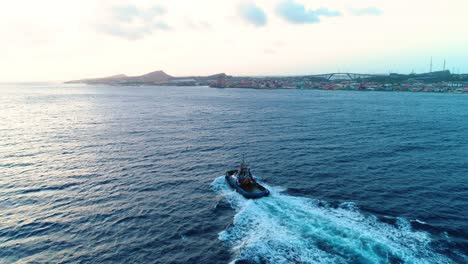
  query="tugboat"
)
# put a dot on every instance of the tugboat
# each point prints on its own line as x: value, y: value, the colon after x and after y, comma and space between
x: 242, y: 181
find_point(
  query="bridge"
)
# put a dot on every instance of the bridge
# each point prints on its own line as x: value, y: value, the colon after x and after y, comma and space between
x: 346, y: 76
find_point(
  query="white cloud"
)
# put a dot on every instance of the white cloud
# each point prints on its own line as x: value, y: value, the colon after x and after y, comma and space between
x: 297, y: 13
x: 252, y: 14
x: 367, y: 11
x: 133, y: 22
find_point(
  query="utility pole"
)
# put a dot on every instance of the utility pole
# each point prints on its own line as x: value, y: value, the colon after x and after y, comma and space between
x: 430, y: 66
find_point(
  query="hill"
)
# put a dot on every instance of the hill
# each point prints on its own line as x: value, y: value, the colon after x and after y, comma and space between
x: 153, y: 78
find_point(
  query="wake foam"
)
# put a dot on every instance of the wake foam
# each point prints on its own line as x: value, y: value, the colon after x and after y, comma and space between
x: 287, y: 229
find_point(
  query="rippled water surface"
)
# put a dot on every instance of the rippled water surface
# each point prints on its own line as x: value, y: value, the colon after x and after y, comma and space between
x: 96, y: 174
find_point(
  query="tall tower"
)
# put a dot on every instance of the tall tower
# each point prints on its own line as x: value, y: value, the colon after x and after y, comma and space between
x: 444, y: 64
x: 430, y: 66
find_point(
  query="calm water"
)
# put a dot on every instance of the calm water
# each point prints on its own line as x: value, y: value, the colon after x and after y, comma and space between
x: 133, y: 175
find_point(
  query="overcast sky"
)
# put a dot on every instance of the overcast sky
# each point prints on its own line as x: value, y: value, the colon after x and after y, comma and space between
x: 49, y: 40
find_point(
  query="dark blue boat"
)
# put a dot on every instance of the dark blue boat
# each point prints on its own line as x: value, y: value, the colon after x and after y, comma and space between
x: 241, y: 181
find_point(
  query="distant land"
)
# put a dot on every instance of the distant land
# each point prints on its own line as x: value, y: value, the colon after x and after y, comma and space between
x: 154, y: 78
x: 437, y: 81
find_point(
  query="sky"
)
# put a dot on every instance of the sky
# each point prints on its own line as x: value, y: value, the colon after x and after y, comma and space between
x: 55, y: 40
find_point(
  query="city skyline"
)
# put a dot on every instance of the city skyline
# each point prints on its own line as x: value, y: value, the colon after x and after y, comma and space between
x: 55, y: 40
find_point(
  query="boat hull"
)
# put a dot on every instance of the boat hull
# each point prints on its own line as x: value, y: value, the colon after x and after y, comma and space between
x: 249, y: 195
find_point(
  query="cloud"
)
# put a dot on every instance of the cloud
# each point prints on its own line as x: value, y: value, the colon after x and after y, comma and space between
x: 195, y: 24
x: 269, y: 51
x: 368, y: 11
x: 297, y: 14
x: 131, y: 22
x: 161, y: 25
x: 252, y: 14
x: 158, y: 10
x: 125, y: 13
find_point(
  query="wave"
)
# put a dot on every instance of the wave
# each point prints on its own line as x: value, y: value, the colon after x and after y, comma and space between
x: 288, y: 229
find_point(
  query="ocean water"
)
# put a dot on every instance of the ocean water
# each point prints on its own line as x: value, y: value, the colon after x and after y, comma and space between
x: 99, y: 174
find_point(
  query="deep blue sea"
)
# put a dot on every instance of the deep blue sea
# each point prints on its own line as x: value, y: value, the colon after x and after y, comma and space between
x: 100, y: 174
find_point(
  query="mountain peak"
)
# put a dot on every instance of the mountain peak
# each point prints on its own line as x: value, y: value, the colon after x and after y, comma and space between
x: 157, y: 73
x: 156, y: 76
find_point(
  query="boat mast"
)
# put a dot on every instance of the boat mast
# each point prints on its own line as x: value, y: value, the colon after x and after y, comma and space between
x: 243, y: 164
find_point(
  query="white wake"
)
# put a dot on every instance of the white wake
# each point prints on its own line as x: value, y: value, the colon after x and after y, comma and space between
x: 287, y: 229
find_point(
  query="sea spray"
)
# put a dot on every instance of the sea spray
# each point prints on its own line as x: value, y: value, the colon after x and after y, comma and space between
x: 288, y: 229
